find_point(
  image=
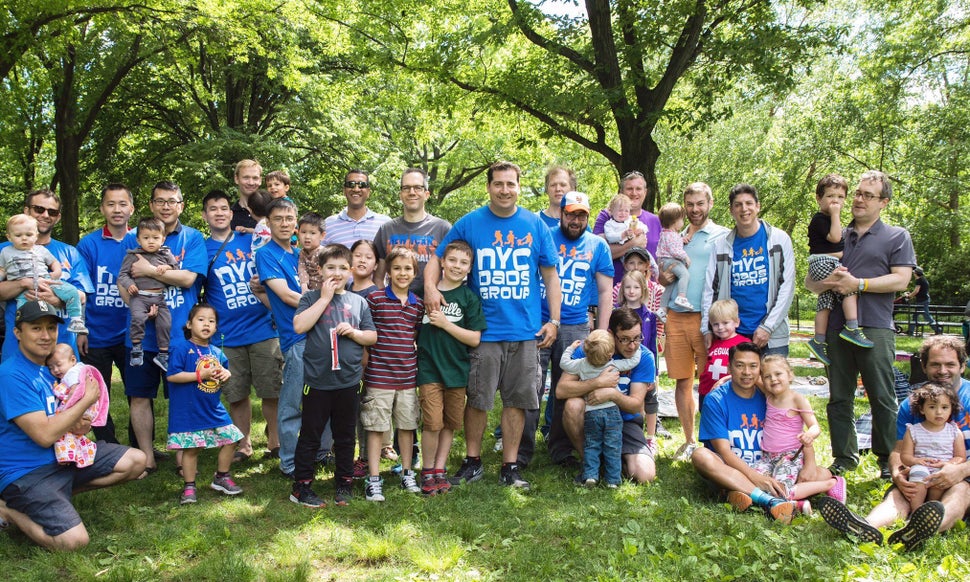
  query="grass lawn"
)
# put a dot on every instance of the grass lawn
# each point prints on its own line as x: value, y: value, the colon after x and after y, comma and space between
x: 669, y: 530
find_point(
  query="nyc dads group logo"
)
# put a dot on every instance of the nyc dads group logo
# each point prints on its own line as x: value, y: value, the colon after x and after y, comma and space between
x: 106, y: 289
x: 751, y: 270
x: 746, y: 438
x: 574, y: 268
x: 505, y: 268
x: 234, y: 275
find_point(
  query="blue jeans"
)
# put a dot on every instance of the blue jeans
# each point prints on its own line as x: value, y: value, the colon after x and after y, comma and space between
x: 680, y: 285
x: 603, y: 436
x: 291, y: 399
x: 922, y: 308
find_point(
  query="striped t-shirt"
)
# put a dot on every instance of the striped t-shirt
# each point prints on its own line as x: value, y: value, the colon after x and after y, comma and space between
x: 393, y: 363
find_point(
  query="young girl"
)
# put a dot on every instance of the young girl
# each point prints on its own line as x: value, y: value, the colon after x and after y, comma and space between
x: 196, y: 417
x: 633, y: 290
x: 790, y: 427
x: 362, y: 267
x: 934, y: 442
x: 672, y: 256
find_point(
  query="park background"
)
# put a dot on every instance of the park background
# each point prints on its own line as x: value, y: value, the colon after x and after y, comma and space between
x: 776, y: 94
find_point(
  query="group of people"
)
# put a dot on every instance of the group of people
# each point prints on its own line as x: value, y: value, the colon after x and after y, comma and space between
x: 434, y: 319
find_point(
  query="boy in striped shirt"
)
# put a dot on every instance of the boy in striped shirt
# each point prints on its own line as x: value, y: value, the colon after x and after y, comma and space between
x: 389, y: 380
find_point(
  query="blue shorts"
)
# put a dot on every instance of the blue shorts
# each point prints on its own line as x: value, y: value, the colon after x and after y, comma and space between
x: 44, y: 494
x: 142, y: 381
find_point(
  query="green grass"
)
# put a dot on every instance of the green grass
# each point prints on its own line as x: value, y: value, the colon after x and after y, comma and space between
x: 668, y: 530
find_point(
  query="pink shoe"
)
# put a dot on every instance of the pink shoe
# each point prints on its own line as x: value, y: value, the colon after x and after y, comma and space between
x: 804, y: 507
x: 837, y: 491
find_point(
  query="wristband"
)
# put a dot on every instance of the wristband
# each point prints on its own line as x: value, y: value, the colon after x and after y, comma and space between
x: 866, y: 288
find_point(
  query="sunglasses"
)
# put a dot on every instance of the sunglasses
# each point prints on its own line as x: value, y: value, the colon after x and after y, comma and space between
x: 361, y: 185
x: 52, y: 212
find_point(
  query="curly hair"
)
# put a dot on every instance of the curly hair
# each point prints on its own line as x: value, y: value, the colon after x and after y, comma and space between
x: 933, y: 392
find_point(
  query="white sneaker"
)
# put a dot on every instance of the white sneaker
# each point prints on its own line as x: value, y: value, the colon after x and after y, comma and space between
x: 409, y: 483
x: 682, y: 301
x: 653, y: 447
x: 373, y: 489
x: 662, y: 315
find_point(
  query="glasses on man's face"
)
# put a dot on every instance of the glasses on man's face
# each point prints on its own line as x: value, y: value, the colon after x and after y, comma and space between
x: 283, y: 219
x: 38, y: 210
x: 417, y: 189
x: 163, y: 202
x: 578, y: 215
x: 356, y: 184
x: 629, y: 340
x: 868, y: 197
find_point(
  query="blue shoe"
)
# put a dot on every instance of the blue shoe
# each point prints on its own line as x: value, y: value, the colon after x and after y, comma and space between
x: 855, y: 336
x: 820, y: 350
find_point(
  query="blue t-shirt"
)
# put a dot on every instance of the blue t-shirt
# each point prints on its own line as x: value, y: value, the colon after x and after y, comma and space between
x: 505, y: 274
x: 906, y: 417
x: 645, y: 372
x: 273, y: 262
x: 75, y: 272
x: 243, y: 319
x: 189, y: 408
x: 552, y: 223
x: 579, y: 262
x: 188, y: 248
x: 738, y: 420
x: 26, y: 387
x: 102, y: 256
x: 749, y: 280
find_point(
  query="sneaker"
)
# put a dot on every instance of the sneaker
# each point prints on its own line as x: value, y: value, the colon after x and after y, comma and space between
x: 855, y: 336
x: 77, y: 326
x: 653, y: 447
x: 429, y: 485
x: 374, y: 489
x: 612, y: 485
x: 389, y: 453
x: 739, y: 501
x: 498, y: 445
x: 837, y: 469
x: 820, y: 350
x: 188, y: 495
x: 441, y: 479
x: 360, y: 469
x: 409, y: 483
x: 344, y: 495
x: 469, y: 472
x: 590, y: 483
x: 782, y: 511
x: 922, y: 524
x: 161, y: 360
x: 397, y: 469
x: 662, y: 315
x: 303, y: 495
x: 685, y: 451
x: 885, y: 473
x: 837, y: 515
x: 137, y: 356
x: 226, y: 485
x: 837, y: 491
x: 682, y: 301
x: 803, y: 507
x: 510, y: 477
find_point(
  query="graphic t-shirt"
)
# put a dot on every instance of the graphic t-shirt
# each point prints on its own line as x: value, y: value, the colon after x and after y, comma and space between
x: 749, y: 280
x: 506, y: 272
x: 718, y: 363
x: 332, y: 361
x: 441, y: 357
x: 189, y: 407
x: 243, y: 319
x: 102, y: 256
x: 645, y: 372
x: 579, y: 262
x: 420, y: 237
x: 738, y: 420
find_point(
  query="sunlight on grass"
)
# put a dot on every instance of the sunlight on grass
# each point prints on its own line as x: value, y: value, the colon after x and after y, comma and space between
x: 437, y: 554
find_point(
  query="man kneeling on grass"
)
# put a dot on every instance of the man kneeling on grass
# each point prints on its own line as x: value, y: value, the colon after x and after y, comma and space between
x: 731, y: 424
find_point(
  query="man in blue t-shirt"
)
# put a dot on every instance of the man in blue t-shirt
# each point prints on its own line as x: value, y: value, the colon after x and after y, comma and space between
x: 513, y: 250
x: 181, y: 293
x: 45, y: 207
x: 246, y: 332
x: 35, y: 490
x: 732, y: 421
x: 628, y: 390
x: 103, y: 251
x: 586, y: 278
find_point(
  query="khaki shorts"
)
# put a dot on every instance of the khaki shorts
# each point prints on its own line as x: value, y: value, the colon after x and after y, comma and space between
x: 441, y: 407
x: 509, y: 367
x: 379, y: 405
x: 259, y: 365
x: 685, y: 345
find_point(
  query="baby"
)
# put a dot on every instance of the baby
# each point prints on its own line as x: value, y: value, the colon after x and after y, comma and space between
x: 69, y: 389
x: 257, y: 209
x: 622, y: 225
x: 25, y: 259
x: 673, y: 257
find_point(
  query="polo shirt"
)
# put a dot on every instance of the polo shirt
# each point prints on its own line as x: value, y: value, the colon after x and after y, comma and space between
x: 393, y: 363
x: 344, y: 230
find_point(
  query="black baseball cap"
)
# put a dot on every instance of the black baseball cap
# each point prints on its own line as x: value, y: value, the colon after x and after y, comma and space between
x: 34, y: 310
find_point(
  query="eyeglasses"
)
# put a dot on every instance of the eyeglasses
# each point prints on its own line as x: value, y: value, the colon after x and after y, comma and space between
x: 163, y: 202
x: 52, y: 212
x: 352, y: 183
x: 577, y: 215
x: 419, y: 188
x: 283, y: 219
x: 866, y: 196
x: 629, y: 340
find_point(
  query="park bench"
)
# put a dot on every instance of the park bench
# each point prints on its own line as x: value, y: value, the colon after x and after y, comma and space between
x: 949, y: 317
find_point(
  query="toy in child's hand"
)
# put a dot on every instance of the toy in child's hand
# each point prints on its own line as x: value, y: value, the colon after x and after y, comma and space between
x: 207, y: 368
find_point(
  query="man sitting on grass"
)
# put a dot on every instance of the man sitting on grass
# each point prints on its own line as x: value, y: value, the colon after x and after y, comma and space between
x: 944, y: 359
x: 731, y: 423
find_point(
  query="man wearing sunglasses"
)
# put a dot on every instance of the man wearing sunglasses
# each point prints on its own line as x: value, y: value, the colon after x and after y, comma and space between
x: 45, y: 207
x: 355, y: 222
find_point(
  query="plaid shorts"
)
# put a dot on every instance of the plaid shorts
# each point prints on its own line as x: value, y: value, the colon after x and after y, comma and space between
x: 820, y: 267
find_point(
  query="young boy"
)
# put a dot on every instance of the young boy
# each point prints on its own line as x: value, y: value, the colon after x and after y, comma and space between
x: 390, y: 378
x: 825, y: 246
x: 146, y: 291
x: 311, y: 231
x: 443, y: 364
x: 338, y: 326
x: 278, y: 184
x: 25, y: 259
x: 724, y: 324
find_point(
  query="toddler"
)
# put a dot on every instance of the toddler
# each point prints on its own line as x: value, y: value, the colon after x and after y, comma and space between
x: 603, y: 424
x: 145, y: 292
x: 311, y: 230
x: 622, y: 225
x: 936, y: 441
x: 71, y: 375
x: 673, y: 257
x: 825, y: 246
x: 278, y: 184
x: 25, y: 259
x: 258, y: 207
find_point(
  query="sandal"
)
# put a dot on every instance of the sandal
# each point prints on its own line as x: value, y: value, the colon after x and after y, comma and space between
x: 839, y: 517
x: 922, y: 524
x: 240, y: 457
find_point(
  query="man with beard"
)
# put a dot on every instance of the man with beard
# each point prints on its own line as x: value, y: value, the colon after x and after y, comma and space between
x: 944, y: 359
x: 586, y: 276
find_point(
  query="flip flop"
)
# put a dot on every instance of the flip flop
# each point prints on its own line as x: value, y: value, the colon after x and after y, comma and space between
x: 240, y: 457
x: 922, y: 524
x: 273, y: 453
x: 837, y: 515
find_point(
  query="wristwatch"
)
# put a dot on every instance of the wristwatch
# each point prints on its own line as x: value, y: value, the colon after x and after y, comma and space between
x: 862, y: 285
x: 555, y: 322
